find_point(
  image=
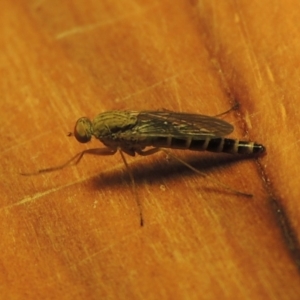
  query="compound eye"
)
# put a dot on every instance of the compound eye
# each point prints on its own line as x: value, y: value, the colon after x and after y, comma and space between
x: 82, y: 130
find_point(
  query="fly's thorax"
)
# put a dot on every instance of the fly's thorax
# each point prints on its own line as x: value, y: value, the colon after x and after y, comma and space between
x: 129, y: 140
x: 113, y: 122
x: 83, y: 130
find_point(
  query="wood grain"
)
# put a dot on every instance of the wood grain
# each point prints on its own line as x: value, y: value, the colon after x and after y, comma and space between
x: 75, y: 234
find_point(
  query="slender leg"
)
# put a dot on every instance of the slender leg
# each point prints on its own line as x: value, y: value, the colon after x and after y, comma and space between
x: 234, y: 107
x: 226, y: 187
x: 139, y: 205
x: 75, y: 160
x: 148, y: 152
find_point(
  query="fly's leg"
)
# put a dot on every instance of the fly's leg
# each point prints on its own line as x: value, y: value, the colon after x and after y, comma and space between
x: 143, y: 153
x: 138, y: 203
x: 148, y: 152
x: 75, y: 160
x: 226, y: 187
x: 234, y: 107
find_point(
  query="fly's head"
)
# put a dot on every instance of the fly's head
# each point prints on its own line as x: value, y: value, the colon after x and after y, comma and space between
x: 83, y: 130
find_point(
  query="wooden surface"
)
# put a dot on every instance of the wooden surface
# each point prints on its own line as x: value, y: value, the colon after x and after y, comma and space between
x: 75, y: 234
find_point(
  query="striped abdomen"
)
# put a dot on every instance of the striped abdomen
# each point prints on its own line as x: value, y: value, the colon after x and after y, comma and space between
x: 209, y: 144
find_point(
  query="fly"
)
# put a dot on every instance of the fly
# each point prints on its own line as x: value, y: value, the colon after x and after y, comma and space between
x: 134, y: 132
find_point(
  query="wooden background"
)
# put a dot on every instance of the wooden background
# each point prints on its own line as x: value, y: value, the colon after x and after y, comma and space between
x: 75, y: 234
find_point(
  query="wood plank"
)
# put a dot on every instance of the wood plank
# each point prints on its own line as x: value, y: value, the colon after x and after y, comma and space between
x: 75, y: 234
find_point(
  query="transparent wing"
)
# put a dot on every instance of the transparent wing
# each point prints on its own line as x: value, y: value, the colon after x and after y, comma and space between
x: 161, y: 123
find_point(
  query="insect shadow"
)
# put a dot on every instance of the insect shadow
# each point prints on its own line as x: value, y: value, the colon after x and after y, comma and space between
x: 157, y: 171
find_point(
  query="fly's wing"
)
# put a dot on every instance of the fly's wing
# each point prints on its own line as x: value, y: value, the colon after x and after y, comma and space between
x: 162, y: 123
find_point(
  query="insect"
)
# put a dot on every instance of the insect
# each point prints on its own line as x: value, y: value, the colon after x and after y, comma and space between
x: 134, y: 132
